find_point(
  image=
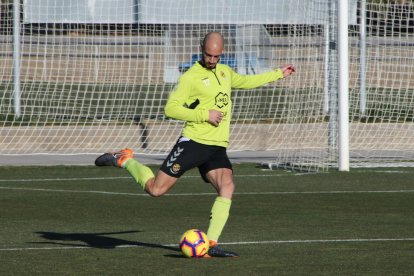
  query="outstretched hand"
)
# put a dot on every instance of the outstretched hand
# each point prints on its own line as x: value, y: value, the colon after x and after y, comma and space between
x: 288, y: 70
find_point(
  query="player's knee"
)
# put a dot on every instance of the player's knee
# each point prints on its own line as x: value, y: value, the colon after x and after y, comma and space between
x: 155, y: 192
x: 160, y: 185
x: 154, y: 189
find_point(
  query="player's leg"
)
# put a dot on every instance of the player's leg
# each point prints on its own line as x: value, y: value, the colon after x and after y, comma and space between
x: 154, y: 185
x: 142, y: 174
x: 160, y: 185
x: 218, y: 171
x: 185, y: 155
x: 222, y: 181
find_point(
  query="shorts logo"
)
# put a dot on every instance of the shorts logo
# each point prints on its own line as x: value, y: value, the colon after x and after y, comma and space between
x: 174, y: 157
x: 175, y: 168
x: 183, y: 139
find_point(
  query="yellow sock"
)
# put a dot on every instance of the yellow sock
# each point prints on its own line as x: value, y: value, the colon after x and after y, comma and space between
x: 138, y: 171
x: 218, y: 218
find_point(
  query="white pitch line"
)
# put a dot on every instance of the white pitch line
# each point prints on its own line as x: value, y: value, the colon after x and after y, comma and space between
x: 45, y: 248
x: 62, y: 179
x: 207, y: 194
x: 184, y: 176
x: 321, y: 241
x: 70, y: 191
x: 115, y: 178
x: 223, y: 243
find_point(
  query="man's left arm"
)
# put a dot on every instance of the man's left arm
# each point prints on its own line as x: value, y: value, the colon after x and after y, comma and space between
x: 253, y: 81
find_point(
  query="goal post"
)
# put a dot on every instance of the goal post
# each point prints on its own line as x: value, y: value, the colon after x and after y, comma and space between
x: 343, y: 87
x: 93, y: 76
x: 16, y: 59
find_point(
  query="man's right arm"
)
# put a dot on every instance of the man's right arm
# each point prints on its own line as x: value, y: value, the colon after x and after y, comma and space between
x: 176, y: 109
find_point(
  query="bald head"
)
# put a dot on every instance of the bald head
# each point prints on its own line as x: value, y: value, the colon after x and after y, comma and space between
x: 213, y: 40
x: 212, y: 47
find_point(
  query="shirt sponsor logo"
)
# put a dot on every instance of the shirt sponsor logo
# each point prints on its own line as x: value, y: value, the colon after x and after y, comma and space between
x: 222, y: 100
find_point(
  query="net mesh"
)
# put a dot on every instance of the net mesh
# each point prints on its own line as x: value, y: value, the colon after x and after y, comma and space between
x: 89, y: 84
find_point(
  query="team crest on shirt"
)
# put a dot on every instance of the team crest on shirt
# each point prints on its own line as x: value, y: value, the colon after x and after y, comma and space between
x: 222, y: 74
x: 175, y: 168
x: 206, y: 81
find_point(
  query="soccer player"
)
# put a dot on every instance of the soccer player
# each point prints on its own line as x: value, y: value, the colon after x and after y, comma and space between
x: 201, y: 98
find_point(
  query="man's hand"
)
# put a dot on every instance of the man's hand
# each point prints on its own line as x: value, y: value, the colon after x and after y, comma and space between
x: 287, y: 70
x: 215, y: 117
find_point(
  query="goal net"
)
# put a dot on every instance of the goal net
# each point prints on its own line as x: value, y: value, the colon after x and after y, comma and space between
x: 82, y: 77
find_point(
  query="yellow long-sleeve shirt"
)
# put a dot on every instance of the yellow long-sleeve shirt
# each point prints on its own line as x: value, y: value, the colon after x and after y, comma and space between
x: 200, y: 90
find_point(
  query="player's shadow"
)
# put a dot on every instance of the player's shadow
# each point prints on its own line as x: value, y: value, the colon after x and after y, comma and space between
x: 96, y: 240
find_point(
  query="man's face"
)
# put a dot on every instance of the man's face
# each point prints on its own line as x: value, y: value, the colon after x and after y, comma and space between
x: 211, y: 58
x: 212, y: 50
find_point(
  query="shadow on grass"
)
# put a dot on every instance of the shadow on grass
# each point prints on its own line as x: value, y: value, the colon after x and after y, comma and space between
x: 97, y: 240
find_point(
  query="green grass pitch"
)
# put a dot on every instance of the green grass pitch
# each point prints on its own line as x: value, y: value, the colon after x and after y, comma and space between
x: 96, y: 221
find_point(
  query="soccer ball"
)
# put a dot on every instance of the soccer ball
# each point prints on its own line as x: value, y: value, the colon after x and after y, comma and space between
x: 194, y: 243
